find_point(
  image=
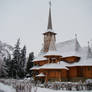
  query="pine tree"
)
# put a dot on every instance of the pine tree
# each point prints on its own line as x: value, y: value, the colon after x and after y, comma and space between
x: 30, y: 63
x: 8, y: 65
x: 23, y: 56
x: 22, y: 62
x: 16, y: 60
x: 3, y: 69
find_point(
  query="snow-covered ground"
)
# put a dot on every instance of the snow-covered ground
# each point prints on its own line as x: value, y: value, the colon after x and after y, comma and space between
x: 6, y: 88
x: 51, y: 90
x: 27, y: 85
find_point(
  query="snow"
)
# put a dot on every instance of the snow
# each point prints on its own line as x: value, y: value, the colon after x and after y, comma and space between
x: 40, y: 75
x: 6, y: 88
x: 51, y: 90
x: 83, y: 62
x: 69, y: 48
x: 26, y: 85
x: 57, y: 53
x: 71, y: 53
x: 5, y: 50
x: 40, y: 58
x: 88, y: 81
x: 66, y: 49
x: 35, y: 68
x: 66, y: 45
x: 53, y: 66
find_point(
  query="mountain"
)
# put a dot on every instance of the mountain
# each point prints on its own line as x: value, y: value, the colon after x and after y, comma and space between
x: 6, y: 50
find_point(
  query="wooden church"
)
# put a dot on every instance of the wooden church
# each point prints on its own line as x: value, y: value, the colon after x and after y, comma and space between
x: 64, y: 61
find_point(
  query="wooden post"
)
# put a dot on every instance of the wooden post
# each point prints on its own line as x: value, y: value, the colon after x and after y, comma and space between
x: 46, y: 78
x: 59, y: 75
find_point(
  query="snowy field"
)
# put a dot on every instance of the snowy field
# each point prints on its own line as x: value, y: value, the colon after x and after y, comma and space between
x: 6, y: 88
x: 50, y: 90
x: 26, y: 85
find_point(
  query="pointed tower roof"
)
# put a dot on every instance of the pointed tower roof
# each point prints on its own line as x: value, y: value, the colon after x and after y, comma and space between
x: 49, y: 26
x: 89, y: 53
x: 49, y: 18
x: 77, y: 45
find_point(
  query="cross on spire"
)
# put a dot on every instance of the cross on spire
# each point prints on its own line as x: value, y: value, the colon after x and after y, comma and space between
x: 89, y: 55
x: 88, y: 43
x: 76, y: 36
x: 50, y: 4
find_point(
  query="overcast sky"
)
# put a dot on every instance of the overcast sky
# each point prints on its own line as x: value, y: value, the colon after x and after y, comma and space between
x: 28, y: 19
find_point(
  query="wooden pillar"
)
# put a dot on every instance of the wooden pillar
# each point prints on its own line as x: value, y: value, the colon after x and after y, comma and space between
x: 59, y: 75
x: 46, y: 78
x: 48, y: 60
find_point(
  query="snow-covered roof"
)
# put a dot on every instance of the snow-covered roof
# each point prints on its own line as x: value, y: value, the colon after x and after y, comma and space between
x: 35, y: 68
x: 57, y: 53
x: 71, y: 53
x: 40, y: 75
x: 40, y: 58
x: 66, y: 45
x: 82, y: 62
x: 53, y: 66
x: 63, y: 63
x: 72, y: 48
x: 66, y: 48
x: 69, y: 48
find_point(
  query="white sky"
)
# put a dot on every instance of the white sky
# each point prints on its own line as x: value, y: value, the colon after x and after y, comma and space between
x: 27, y: 19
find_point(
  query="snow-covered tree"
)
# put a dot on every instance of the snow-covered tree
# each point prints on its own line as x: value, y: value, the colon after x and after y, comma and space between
x: 16, y: 60
x: 8, y: 65
x: 30, y: 63
x: 3, y: 68
x: 22, y: 62
x: 23, y: 56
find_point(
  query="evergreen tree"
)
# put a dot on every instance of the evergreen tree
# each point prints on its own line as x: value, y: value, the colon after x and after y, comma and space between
x: 8, y: 65
x: 16, y: 60
x: 23, y: 56
x: 30, y: 63
x: 22, y: 62
x: 3, y: 69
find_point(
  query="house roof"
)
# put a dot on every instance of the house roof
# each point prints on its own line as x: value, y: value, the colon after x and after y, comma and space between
x: 40, y: 58
x: 68, y: 48
x: 56, y: 53
x: 53, y: 66
x: 40, y: 75
x: 35, y: 68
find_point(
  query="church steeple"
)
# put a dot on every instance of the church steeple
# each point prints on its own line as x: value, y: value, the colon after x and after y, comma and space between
x: 89, y: 53
x: 77, y: 45
x: 49, y: 18
x: 49, y: 34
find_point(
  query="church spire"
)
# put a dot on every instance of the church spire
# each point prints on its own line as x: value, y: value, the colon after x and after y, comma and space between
x: 49, y: 18
x: 49, y: 34
x: 89, y: 54
x: 77, y: 45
